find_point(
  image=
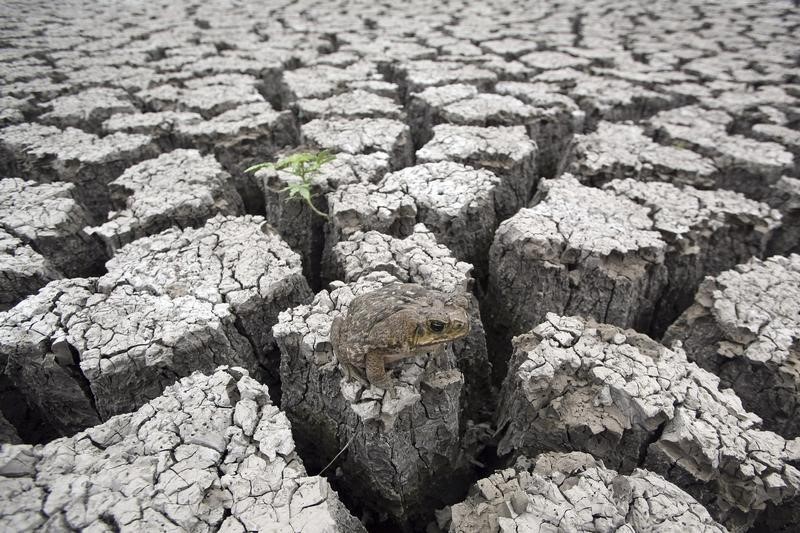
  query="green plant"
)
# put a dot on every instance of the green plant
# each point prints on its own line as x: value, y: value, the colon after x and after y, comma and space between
x: 303, y: 165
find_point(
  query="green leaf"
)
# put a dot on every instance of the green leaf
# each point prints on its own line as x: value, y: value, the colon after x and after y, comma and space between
x: 295, y: 189
x: 259, y: 166
x: 295, y: 160
x: 303, y: 165
x: 325, y: 157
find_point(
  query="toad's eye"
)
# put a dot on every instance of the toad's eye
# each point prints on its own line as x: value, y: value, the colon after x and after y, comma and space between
x: 436, y: 326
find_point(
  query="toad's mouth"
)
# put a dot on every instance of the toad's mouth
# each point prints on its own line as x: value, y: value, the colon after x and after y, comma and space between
x: 428, y: 341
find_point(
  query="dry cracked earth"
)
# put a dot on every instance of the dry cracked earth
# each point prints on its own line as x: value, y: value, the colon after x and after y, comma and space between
x: 614, y: 186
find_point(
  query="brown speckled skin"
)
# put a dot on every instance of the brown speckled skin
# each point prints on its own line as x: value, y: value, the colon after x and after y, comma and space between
x: 392, y: 323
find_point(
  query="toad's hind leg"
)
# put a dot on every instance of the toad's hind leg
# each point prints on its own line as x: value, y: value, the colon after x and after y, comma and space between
x: 376, y: 372
x: 352, y: 371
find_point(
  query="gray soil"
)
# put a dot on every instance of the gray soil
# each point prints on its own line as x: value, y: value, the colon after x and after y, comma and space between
x: 613, y: 187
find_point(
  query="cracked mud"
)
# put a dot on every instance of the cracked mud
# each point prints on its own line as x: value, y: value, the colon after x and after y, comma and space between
x: 613, y: 187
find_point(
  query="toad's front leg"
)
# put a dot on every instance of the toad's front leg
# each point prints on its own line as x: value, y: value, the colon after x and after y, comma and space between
x: 376, y: 373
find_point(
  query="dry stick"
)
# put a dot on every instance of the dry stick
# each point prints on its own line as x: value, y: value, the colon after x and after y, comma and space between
x: 338, y: 454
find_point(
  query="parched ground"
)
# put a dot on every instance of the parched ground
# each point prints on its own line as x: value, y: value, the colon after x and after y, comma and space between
x: 614, y: 186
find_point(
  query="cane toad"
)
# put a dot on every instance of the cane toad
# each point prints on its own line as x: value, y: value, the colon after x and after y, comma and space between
x: 396, y: 321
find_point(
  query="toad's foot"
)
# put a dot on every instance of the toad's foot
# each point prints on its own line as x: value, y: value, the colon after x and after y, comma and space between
x: 352, y: 372
x: 377, y: 375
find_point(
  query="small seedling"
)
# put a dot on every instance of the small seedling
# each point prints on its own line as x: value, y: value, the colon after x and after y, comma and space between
x: 303, y: 165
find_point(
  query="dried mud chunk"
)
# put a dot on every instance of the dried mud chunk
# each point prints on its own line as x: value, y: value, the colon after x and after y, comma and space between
x: 350, y: 105
x: 551, y: 60
x: 240, y: 261
x: 785, y: 197
x: 618, y: 151
x: 237, y: 138
x: 558, y: 490
x: 789, y: 138
x: 180, y: 188
x: 745, y: 165
x: 550, y: 128
x: 510, y: 47
x: 420, y: 259
x: 381, y: 88
x: 387, y: 50
x: 210, y: 454
x: 745, y: 327
x: 457, y: 203
x: 362, y: 136
x: 78, y: 356
x: 23, y: 271
x: 207, y: 96
x: 577, y: 250
x: 424, y: 108
x: 617, y: 100
x: 46, y: 154
x: 417, y: 76
x: 323, y: 81
x: 47, y: 217
x: 403, y: 455
x: 555, y: 119
x: 485, y: 109
x: 12, y: 110
x: 302, y: 228
x: 740, y: 100
x: 371, y: 206
x: 508, y: 152
x: 87, y: 109
x: 161, y: 126
x: 574, y: 385
x: 155, y: 124
x: 243, y: 136
x: 706, y: 232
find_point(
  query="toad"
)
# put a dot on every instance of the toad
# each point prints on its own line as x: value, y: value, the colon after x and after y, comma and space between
x: 394, y: 322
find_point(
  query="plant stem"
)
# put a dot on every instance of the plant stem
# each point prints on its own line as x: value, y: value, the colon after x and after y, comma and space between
x: 317, y: 211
